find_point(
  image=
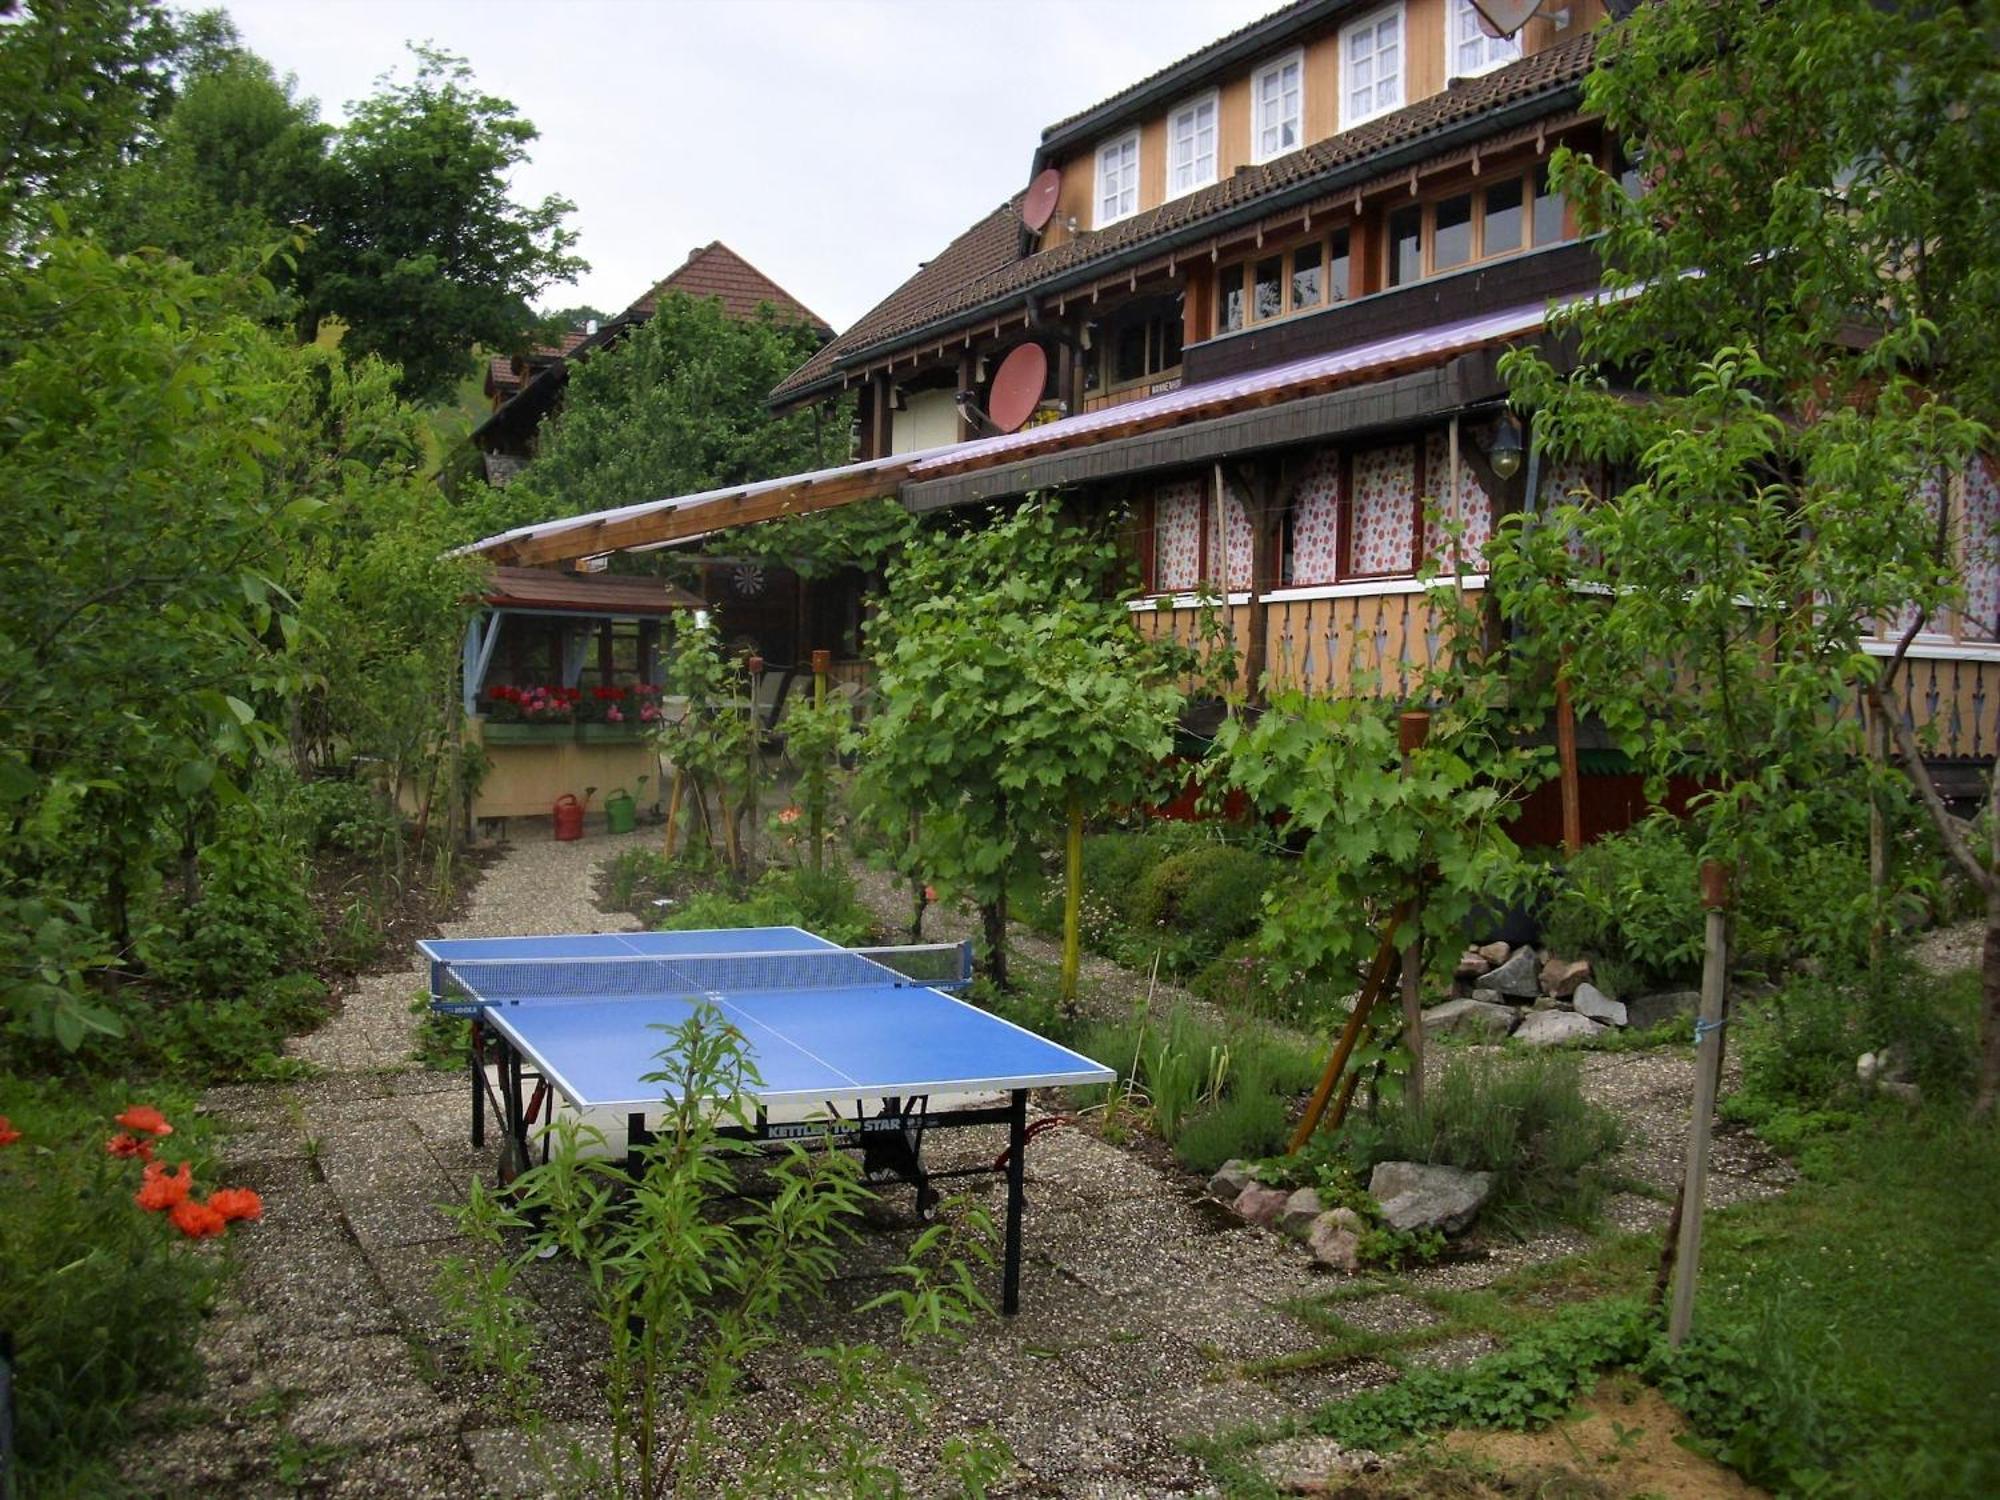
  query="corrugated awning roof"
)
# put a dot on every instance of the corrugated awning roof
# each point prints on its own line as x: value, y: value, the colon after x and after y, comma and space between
x: 658, y: 521
x: 585, y: 593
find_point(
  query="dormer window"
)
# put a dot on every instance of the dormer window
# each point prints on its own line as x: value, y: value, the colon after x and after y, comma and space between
x: 1371, y: 66
x: 1277, y: 102
x: 1191, y: 146
x: 1470, y: 50
x: 1118, y: 179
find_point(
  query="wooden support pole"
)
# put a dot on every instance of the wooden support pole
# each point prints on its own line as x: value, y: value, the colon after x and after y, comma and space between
x: 1378, y: 974
x: 1572, y: 786
x: 821, y: 661
x: 1707, y: 1070
x: 1412, y: 730
x: 1072, y: 899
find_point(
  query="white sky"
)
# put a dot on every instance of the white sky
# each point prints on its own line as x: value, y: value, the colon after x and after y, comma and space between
x: 834, y: 144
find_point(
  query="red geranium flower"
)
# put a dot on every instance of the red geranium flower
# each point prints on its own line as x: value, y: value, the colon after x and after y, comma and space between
x: 197, y: 1220
x: 164, y: 1187
x: 129, y: 1145
x: 144, y: 1119
x: 236, y: 1203
x: 8, y: 1134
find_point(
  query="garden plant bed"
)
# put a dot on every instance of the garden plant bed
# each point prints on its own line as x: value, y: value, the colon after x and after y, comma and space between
x: 1160, y: 1349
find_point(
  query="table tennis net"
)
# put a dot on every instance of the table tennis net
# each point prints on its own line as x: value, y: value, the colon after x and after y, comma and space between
x: 505, y: 980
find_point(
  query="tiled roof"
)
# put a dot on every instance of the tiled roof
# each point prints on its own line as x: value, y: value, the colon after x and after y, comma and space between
x: 714, y: 270
x: 983, y: 267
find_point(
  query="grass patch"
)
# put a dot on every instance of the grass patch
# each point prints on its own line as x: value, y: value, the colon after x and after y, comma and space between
x: 1845, y: 1332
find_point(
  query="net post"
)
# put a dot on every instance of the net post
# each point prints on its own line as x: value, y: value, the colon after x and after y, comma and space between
x: 1017, y: 1154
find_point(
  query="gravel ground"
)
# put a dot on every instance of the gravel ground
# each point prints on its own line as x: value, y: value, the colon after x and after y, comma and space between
x: 1145, y: 1314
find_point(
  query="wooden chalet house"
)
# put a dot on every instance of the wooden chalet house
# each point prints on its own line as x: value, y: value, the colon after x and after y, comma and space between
x: 1263, y: 295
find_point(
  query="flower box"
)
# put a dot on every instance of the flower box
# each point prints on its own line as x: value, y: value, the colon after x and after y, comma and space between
x: 517, y: 733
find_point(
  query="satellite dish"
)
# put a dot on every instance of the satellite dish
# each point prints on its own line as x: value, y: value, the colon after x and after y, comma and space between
x: 1040, y: 203
x: 1504, y: 17
x: 1017, y: 387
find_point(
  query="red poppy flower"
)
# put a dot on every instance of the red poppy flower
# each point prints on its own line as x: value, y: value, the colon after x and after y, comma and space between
x: 164, y: 1187
x: 236, y: 1203
x: 197, y: 1220
x: 146, y: 1120
x: 8, y: 1134
x: 129, y: 1145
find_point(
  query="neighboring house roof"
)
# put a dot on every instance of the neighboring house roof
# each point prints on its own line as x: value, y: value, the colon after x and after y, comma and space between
x: 714, y: 270
x: 983, y: 270
x: 585, y: 593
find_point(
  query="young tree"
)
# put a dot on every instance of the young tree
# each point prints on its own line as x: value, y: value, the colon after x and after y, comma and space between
x: 1015, y: 694
x: 1803, y: 350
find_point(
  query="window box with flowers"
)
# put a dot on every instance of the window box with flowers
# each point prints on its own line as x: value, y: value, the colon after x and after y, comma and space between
x: 618, y: 713
x: 529, y: 715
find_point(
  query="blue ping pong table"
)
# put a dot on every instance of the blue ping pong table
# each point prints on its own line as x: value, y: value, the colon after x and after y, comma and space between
x: 835, y: 1033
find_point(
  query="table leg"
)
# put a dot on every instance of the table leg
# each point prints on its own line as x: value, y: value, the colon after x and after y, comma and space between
x: 514, y: 1159
x: 478, y: 1084
x: 1017, y: 1155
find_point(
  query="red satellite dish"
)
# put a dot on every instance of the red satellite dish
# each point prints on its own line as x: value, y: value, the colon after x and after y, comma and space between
x: 1040, y: 203
x: 1017, y: 387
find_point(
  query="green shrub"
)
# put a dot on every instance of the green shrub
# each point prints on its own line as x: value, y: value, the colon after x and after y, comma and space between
x: 1630, y: 903
x: 1206, y: 896
x: 1800, y: 1045
x: 104, y: 1300
x: 1247, y: 981
x: 1240, y: 1125
x: 635, y: 874
x: 251, y: 919
x: 825, y: 904
x: 1522, y: 1118
x: 346, y: 816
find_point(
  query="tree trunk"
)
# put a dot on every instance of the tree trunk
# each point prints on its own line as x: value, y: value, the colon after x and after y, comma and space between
x: 1072, y: 949
x: 993, y: 915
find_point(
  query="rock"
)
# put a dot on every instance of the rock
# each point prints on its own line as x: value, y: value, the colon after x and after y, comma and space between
x: 1230, y: 1179
x: 1590, y: 1001
x: 1561, y: 976
x: 1300, y: 1211
x: 1481, y: 1018
x: 1261, y: 1205
x: 1552, y: 1028
x: 1494, y: 953
x: 1471, y: 964
x: 1516, y: 978
x: 1333, y: 1243
x: 1416, y: 1196
x: 1890, y: 1065
x: 1648, y: 1011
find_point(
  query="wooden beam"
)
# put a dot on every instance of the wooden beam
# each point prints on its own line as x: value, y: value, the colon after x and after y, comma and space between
x: 670, y: 525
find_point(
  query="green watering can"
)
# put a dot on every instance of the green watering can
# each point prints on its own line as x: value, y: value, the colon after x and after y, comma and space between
x: 621, y: 813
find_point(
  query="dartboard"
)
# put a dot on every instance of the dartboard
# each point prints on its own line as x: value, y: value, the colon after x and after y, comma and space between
x: 748, y: 579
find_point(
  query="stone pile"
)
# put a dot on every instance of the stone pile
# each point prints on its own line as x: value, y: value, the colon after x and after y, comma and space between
x: 1413, y: 1196
x: 1541, y: 999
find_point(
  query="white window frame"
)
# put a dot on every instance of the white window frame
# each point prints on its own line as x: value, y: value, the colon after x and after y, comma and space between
x: 1295, y: 58
x: 1455, y: 12
x: 1116, y: 144
x: 1369, y: 23
x: 1179, y: 112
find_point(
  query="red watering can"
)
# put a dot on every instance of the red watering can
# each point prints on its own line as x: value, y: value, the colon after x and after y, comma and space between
x: 569, y: 817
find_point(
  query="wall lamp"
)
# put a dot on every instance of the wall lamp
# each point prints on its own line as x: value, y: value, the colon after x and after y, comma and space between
x: 1503, y: 451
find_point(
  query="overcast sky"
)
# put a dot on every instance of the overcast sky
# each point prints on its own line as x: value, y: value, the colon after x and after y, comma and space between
x: 832, y: 143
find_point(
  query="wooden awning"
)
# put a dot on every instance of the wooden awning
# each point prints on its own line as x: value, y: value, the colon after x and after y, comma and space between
x: 549, y: 589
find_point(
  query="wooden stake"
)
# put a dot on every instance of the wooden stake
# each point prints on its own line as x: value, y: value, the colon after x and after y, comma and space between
x: 1073, y: 900
x: 1412, y: 730
x: 1572, y: 787
x: 1707, y: 1067
x: 1378, y: 974
x: 673, y: 811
